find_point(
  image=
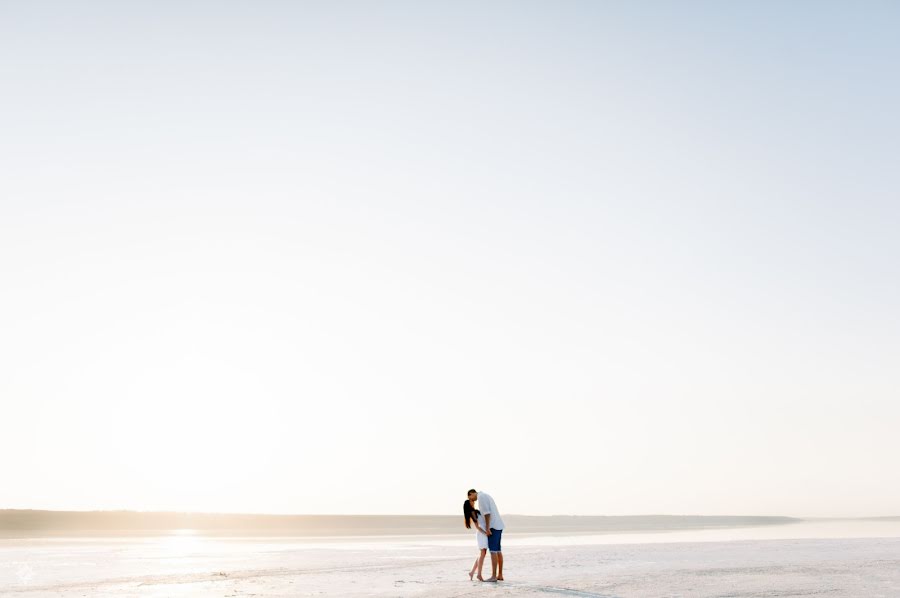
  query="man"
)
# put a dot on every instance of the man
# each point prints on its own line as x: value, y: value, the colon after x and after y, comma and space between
x: 494, y: 528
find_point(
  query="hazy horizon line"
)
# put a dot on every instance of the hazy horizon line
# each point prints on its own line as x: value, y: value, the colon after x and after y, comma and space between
x: 259, y: 514
x: 43, y: 522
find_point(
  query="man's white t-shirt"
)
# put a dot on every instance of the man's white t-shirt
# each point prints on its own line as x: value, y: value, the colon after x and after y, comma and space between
x: 487, y: 506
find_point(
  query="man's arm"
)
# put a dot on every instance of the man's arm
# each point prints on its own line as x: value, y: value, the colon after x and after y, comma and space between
x: 487, y: 509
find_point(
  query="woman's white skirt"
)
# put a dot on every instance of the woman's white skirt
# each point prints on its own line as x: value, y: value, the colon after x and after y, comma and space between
x: 482, y: 539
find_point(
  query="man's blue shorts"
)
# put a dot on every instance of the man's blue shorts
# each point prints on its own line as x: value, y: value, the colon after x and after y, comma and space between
x: 494, y: 540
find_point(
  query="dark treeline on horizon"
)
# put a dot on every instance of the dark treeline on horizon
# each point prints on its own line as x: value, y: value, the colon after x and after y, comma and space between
x: 28, y: 522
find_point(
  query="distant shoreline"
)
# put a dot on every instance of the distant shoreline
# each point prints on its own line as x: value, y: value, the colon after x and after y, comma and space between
x: 19, y: 523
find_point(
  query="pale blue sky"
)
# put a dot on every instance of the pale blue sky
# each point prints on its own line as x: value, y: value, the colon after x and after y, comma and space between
x: 599, y: 258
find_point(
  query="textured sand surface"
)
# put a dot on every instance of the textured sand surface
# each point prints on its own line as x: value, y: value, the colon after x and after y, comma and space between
x: 861, y: 567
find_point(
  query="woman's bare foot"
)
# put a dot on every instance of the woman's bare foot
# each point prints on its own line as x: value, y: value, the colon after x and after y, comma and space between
x: 480, y: 578
x: 471, y: 574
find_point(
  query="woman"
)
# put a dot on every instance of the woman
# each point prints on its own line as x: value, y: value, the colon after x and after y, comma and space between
x: 474, y: 516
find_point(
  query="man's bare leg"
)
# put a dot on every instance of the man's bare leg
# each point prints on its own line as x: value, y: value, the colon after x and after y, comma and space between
x: 493, y: 567
x: 499, y: 566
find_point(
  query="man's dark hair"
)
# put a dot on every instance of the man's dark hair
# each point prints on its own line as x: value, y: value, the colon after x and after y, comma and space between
x: 471, y: 491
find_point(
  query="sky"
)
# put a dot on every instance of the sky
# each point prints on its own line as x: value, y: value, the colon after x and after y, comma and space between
x: 596, y: 258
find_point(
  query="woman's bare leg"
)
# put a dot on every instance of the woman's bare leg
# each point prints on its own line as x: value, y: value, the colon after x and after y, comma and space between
x: 481, y: 563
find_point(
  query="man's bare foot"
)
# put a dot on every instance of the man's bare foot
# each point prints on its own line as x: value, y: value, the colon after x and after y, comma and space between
x: 491, y: 579
x: 499, y: 579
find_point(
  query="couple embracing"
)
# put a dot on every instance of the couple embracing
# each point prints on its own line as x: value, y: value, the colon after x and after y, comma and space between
x: 488, y: 531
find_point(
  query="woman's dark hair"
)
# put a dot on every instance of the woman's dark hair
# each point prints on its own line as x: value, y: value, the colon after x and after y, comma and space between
x: 470, y: 512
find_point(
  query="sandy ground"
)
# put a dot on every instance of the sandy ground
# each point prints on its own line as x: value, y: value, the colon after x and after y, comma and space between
x: 860, y: 568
